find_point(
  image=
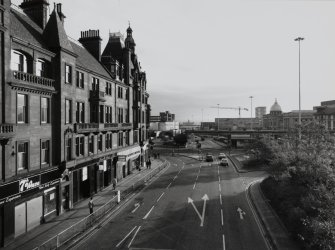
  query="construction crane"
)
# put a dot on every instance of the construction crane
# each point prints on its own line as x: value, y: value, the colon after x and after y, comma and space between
x: 234, y: 108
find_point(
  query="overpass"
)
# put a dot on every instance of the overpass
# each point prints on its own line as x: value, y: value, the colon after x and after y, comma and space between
x: 232, y: 136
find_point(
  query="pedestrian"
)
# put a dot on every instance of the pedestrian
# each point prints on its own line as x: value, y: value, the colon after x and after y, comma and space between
x: 149, y: 163
x: 91, y: 205
x: 158, y: 155
x: 114, y: 183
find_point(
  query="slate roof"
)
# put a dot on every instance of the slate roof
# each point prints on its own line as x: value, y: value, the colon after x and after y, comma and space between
x: 26, y: 29
x: 326, y: 111
x: 87, y: 61
x: 54, y: 33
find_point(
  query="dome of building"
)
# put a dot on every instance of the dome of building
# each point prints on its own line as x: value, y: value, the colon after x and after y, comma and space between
x: 275, y: 107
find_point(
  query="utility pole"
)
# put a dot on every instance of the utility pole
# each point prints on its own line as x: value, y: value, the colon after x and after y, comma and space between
x: 218, y: 116
x: 299, y: 39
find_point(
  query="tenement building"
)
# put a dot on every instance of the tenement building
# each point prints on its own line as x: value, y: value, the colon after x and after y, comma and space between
x: 325, y: 114
x: 72, y: 118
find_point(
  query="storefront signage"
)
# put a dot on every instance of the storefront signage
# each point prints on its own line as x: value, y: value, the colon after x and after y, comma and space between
x: 29, y: 183
x: 122, y: 158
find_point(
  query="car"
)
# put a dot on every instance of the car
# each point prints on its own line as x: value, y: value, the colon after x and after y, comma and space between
x: 222, y: 155
x: 209, y: 158
x: 224, y: 162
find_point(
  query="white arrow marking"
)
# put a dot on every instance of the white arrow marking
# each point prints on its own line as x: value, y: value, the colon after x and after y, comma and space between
x: 241, y: 212
x: 189, y: 200
x: 205, y: 198
x: 137, y: 205
x: 201, y: 217
x: 125, y: 237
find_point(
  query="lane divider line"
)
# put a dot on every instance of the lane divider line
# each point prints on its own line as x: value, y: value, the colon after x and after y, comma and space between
x: 160, y: 197
x: 219, y: 187
x: 221, y: 217
x: 221, y: 199
x: 219, y: 179
x: 169, y: 185
x: 138, y: 229
x: 223, y: 242
x: 146, y: 216
x: 194, y: 185
x: 126, y: 237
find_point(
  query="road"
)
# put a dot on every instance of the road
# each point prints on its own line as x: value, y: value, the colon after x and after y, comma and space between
x: 192, y: 205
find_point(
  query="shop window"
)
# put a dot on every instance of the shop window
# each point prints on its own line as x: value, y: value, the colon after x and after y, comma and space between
x: 45, y: 152
x: 22, y: 108
x: 50, y: 204
x: 68, y: 74
x: 22, y: 156
x: 80, y: 79
x: 45, y: 110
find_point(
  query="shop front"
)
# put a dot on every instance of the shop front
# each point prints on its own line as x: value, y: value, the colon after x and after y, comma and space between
x: 28, y: 202
x: 128, y: 160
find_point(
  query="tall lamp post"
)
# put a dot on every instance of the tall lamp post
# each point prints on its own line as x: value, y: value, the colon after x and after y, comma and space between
x: 299, y: 39
x: 251, y: 110
x: 218, y: 116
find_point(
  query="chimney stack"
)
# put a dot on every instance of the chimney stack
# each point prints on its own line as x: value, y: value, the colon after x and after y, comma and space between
x: 92, y: 42
x: 59, y: 12
x: 37, y: 10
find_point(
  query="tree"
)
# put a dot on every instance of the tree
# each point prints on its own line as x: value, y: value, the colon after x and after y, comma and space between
x: 180, y: 139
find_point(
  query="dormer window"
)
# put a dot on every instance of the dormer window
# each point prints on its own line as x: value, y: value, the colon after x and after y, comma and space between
x: 41, y: 68
x: 19, y: 61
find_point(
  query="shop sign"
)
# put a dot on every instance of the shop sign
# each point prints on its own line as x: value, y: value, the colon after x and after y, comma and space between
x: 84, y: 174
x: 122, y: 158
x: 29, y: 183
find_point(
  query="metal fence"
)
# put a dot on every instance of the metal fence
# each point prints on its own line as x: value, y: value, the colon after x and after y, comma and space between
x: 83, y: 225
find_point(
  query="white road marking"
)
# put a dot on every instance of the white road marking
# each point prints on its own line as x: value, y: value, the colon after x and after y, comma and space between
x: 146, y: 216
x: 126, y: 237
x: 194, y: 185
x: 223, y: 242
x: 175, y: 177
x: 137, y: 205
x: 219, y: 179
x: 169, y: 185
x: 219, y: 187
x: 138, y: 229
x: 160, y: 197
x: 221, y: 217
x: 221, y: 199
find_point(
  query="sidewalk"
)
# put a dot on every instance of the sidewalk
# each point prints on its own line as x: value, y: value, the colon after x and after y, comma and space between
x: 42, y: 233
x: 275, y: 231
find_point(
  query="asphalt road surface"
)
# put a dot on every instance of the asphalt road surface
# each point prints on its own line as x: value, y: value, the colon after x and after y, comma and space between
x: 192, y: 205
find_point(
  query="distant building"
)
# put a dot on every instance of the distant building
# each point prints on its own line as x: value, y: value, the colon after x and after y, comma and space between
x: 274, y: 120
x: 189, y: 126
x: 208, y: 126
x: 326, y: 114
x: 155, y: 118
x: 260, y: 111
x: 166, y: 116
x: 291, y: 119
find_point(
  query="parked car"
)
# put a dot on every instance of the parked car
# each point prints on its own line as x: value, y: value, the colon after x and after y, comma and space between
x: 222, y: 155
x: 209, y: 158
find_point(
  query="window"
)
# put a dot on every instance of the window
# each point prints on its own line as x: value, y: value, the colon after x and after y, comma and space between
x: 101, y: 114
x: 45, y: 110
x: 80, y: 112
x: 127, y: 94
x: 135, y: 136
x: 80, y: 146
x: 100, y: 142
x: 91, y: 144
x: 126, y: 115
x: 41, y: 69
x: 120, y: 92
x: 68, y: 149
x: 22, y: 108
x: 108, y: 88
x: 68, y: 74
x: 108, y: 141
x: 127, y: 138
x: 80, y: 79
x: 94, y: 113
x: 120, y: 139
x: 120, y: 115
x: 22, y: 156
x: 68, y: 111
x: 108, y: 112
x: 45, y: 152
x: 19, y: 61
x: 95, y: 84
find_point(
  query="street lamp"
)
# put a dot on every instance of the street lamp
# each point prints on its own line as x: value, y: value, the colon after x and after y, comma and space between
x: 299, y: 39
x: 251, y: 110
x: 218, y: 116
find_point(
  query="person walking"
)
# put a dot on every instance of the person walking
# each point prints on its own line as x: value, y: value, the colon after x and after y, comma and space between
x: 114, y: 183
x: 91, y: 205
x: 149, y: 163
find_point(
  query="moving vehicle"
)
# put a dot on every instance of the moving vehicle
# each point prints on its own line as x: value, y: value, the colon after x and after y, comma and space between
x: 224, y: 162
x: 209, y: 158
x: 222, y: 155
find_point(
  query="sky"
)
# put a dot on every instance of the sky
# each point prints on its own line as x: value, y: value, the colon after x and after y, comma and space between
x: 200, y: 53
